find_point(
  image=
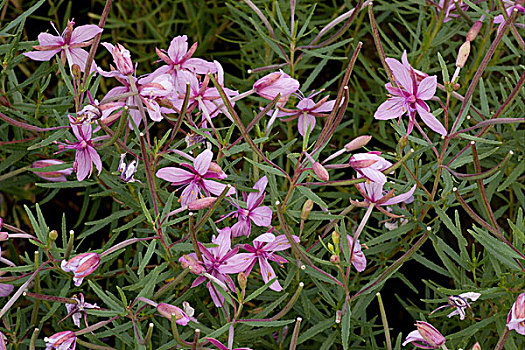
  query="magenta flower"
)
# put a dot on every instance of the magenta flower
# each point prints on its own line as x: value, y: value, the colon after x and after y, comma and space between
x: 197, y: 179
x: 510, y: 5
x: 409, y: 98
x: 370, y: 165
x: 178, y: 58
x: 81, y: 265
x: 221, y: 346
x: 68, y: 44
x: 66, y: 340
x: 263, y: 249
x: 460, y: 303
x: 219, y: 262
x: 260, y: 215
x: 276, y: 83
x: 85, y: 153
x: 76, y: 310
x: 56, y: 175
x: 306, y: 111
x: 516, y: 316
x: 358, y: 257
x: 425, y: 337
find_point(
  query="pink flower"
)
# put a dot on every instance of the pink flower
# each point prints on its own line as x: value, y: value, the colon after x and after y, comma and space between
x: 358, y: 257
x: 460, y: 303
x: 66, y: 340
x: 82, y: 266
x: 178, y: 58
x: 219, y: 262
x: 272, y: 84
x: 85, y: 153
x: 451, y: 8
x: 76, y: 310
x: 426, y: 336
x: 370, y: 165
x: 56, y: 175
x: 306, y: 111
x: 510, y: 5
x: 166, y: 310
x: 197, y: 178
x: 68, y: 45
x: 263, y: 249
x: 260, y: 215
x: 516, y: 316
x: 121, y: 57
x: 409, y: 98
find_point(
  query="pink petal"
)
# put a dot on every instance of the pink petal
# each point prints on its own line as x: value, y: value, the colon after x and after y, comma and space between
x: 95, y: 158
x: 268, y: 273
x: 265, y: 238
x: 202, y: 162
x: 261, y: 216
x: 83, y: 163
x: 41, y: 55
x: 79, y: 57
x: 241, y: 227
x: 84, y: 33
x: 175, y: 175
x: 200, y: 66
x: 401, y: 198
x: 224, y: 241
x: 427, y: 88
x: 178, y: 48
x: 392, y: 108
x: 254, y: 197
x: 304, y: 123
x: 216, y: 188
x: 373, y: 175
x: 280, y: 243
x: 190, y: 193
x: 401, y: 74
x: 46, y: 39
x: 413, y: 336
x: 237, y: 263
x: 328, y: 106
x: 431, y: 121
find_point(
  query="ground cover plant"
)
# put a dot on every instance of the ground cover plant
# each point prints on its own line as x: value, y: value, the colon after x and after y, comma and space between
x: 262, y: 174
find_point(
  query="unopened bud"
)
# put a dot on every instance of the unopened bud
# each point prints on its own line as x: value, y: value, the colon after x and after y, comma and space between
x: 321, y: 172
x: 166, y: 310
x: 334, y: 259
x: 403, y: 141
x: 463, y: 53
x: 331, y: 247
x: 358, y: 142
x: 336, y: 238
x: 473, y: 31
x: 75, y: 69
x: 56, y: 175
x: 202, y: 203
x: 53, y: 235
x: 456, y: 86
x: 4, y: 236
x: 307, y: 208
x: 476, y: 346
x: 187, y: 262
x: 338, y: 316
x: 242, y: 279
x: 215, y: 168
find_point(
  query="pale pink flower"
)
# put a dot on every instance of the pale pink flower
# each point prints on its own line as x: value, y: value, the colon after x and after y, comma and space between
x: 425, y: 337
x: 358, y: 257
x: 121, y: 58
x: 76, y: 310
x: 219, y: 262
x: 370, y: 165
x: 460, y: 303
x: 68, y: 44
x: 66, y: 340
x: 197, y: 179
x: 450, y: 10
x: 263, y: 250
x: 166, y: 310
x: 408, y: 97
x: 260, y: 215
x: 276, y: 83
x: 516, y: 316
x: 56, y: 175
x: 82, y: 266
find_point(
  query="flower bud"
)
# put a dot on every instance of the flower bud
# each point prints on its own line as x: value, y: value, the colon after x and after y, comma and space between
x: 55, y: 176
x: 307, y: 208
x: 358, y: 142
x: 430, y: 334
x: 4, y: 236
x: 202, y: 203
x: 167, y: 310
x: 517, y: 315
x: 331, y: 248
x: 122, y: 59
x: 403, y: 141
x: 242, y: 279
x: 336, y: 238
x: 463, y: 53
x: 53, y: 235
x: 473, y: 31
x: 82, y: 266
x: 188, y: 262
x: 334, y: 259
x: 215, y: 168
x: 321, y: 172
x: 77, y: 71
x: 476, y: 346
x: 65, y: 340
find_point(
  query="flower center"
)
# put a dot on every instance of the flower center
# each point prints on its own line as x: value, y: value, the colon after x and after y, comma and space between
x: 412, y: 99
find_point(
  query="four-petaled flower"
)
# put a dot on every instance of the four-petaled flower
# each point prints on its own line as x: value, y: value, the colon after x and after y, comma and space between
x: 260, y: 215
x: 460, y: 303
x: 197, y: 179
x: 408, y: 97
x: 68, y: 45
x: 263, y: 249
x: 76, y: 310
x: 516, y: 316
x: 276, y: 83
x: 219, y: 262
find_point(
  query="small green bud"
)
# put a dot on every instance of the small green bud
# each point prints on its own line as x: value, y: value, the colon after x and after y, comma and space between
x: 243, y: 280
x: 53, y: 235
